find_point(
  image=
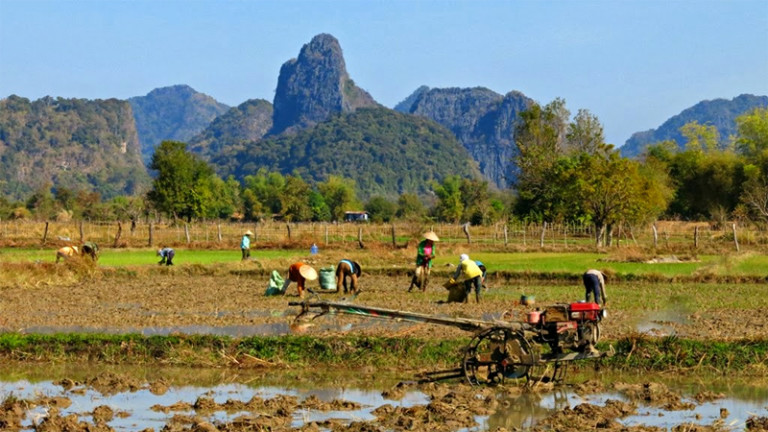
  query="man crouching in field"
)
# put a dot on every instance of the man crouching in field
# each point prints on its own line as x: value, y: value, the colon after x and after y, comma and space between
x: 348, y: 268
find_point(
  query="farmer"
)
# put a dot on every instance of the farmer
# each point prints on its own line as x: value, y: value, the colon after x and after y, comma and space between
x: 245, y: 245
x: 424, y: 256
x: 471, y: 274
x: 91, y: 249
x: 66, y: 252
x: 166, y: 256
x: 482, y: 268
x: 594, y: 284
x: 348, y: 268
x: 299, y: 273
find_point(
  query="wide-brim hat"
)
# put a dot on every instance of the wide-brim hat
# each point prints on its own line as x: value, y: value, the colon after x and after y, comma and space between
x: 308, y: 272
x: 430, y: 235
x: 248, y: 233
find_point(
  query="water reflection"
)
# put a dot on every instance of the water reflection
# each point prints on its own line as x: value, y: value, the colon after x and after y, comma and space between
x: 742, y: 399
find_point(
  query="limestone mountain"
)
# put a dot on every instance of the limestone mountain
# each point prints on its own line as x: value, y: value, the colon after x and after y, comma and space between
x: 385, y: 152
x: 249, y: 121
x: 315, y: 86
x: 482, y: 120
x: 175, y: 113
x: 720, y: 113
x: 79, y: 144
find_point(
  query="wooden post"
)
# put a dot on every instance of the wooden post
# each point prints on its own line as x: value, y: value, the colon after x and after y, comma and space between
x: 506, y: 238
x: 696, y: 237
x: 525, y: 225
x: 151, y: 229
x: 81, y: 230
x: 119, y: 233
x: 565, y: 235
x: 360, y: 238
x: 45, y: 233
x: 394, y: 237
x: 465, y: 227
x: 218, y: 231
x: 288, y: 227
x: 655, y: 236
x: 186, y: 233
x: 735, y: 239
x: 543, y: 231
x: 326, y: 234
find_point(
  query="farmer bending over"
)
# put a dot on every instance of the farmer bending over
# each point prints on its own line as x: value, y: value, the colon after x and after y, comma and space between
x: 424, y: 256
x: 166, y: 256
x: 299, y: 273
x: 471, y: 274
x: 594, y: 284
x: 348, y: 268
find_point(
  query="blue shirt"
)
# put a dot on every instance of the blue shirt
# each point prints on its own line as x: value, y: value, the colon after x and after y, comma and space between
x: 246, y: 242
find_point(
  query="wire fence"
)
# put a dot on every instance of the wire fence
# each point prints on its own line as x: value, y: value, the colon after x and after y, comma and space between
x: 663, y: 235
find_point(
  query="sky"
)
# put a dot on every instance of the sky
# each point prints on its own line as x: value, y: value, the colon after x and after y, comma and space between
x: 632, y: 63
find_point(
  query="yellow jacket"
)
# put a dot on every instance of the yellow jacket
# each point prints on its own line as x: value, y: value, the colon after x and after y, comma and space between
x: 468, y: 269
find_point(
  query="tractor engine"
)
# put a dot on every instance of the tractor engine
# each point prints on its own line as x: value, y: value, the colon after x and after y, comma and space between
x: 573, y: 327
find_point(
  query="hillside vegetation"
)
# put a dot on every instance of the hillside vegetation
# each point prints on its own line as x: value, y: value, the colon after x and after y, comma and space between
x: 384, y: 152
x: 77, y: 144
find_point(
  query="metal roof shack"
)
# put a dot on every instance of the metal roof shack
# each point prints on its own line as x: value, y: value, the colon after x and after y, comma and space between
x: 356, y: 216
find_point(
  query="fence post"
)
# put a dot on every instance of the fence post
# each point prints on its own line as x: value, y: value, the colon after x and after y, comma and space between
x: 218, y: 231
x: 543, y: 231
x: 45, y: 233
x: 360, y: 238
x: 151, y: 229
x: 465, y: 227
x: 394, y: 237
x: 119, y: 233
x: 655, y: 236
x: 696, y: 237
x: 186, y: 233
x: 506, y: 239
x: 735, y: 240
x: 81, y: 230
x: 288, y: 227
x: 326, y: 233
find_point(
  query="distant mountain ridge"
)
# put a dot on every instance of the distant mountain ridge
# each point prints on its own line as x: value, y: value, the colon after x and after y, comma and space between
x: 80, y: 144
x: 175, y: 113
x: 314, y: 86
x: 385, y: 152
x: 482, y: 120
x: 720, y: 113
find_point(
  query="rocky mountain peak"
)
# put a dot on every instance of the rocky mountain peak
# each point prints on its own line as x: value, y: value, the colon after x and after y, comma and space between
x: 315, y: 86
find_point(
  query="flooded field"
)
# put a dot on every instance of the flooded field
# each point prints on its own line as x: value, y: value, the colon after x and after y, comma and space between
x: 57, y: 395
x: 71, y: 397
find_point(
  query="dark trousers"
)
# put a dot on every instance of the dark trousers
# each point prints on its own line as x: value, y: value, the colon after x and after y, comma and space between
x: 592, y: 287
x: 168, y: 258
x: 477, y: 282
x: 246, y: 253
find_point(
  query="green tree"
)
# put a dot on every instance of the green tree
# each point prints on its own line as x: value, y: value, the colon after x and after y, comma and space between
x: 585, y: 133
x: 183, y: 181
x: 701, y: 138
x: 339, y: 195
x: 380, y: 209
x: 450, y: 205
x: 753, y: 132
x: 409, y: 206
x: 294, y: 201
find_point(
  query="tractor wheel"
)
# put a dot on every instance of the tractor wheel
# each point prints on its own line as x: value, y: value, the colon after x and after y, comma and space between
x: 495, y: 355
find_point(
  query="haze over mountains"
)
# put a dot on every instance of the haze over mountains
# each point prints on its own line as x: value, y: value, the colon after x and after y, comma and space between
x: 320, y: 123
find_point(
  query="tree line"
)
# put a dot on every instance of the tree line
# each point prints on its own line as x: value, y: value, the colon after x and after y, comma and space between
x: 565, y: 172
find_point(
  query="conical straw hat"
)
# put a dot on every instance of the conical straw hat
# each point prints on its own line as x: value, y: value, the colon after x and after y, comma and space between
x: 308, y: 272
x: 430, y: 235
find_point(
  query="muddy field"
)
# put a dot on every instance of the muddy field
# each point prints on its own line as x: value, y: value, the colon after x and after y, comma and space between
x: 184, y: 300
x: 174, y: 301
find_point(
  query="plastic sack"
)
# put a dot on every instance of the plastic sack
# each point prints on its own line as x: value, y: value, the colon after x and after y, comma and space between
x: 275, y: 286
x: 328, y: 278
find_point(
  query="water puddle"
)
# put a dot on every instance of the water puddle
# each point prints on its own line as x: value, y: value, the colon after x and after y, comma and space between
x: 360, y: 394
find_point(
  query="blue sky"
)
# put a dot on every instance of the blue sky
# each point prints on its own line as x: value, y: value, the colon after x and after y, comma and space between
x: 632, y: 63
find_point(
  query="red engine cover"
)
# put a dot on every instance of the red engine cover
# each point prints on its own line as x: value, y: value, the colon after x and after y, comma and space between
x: 584, y: 307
